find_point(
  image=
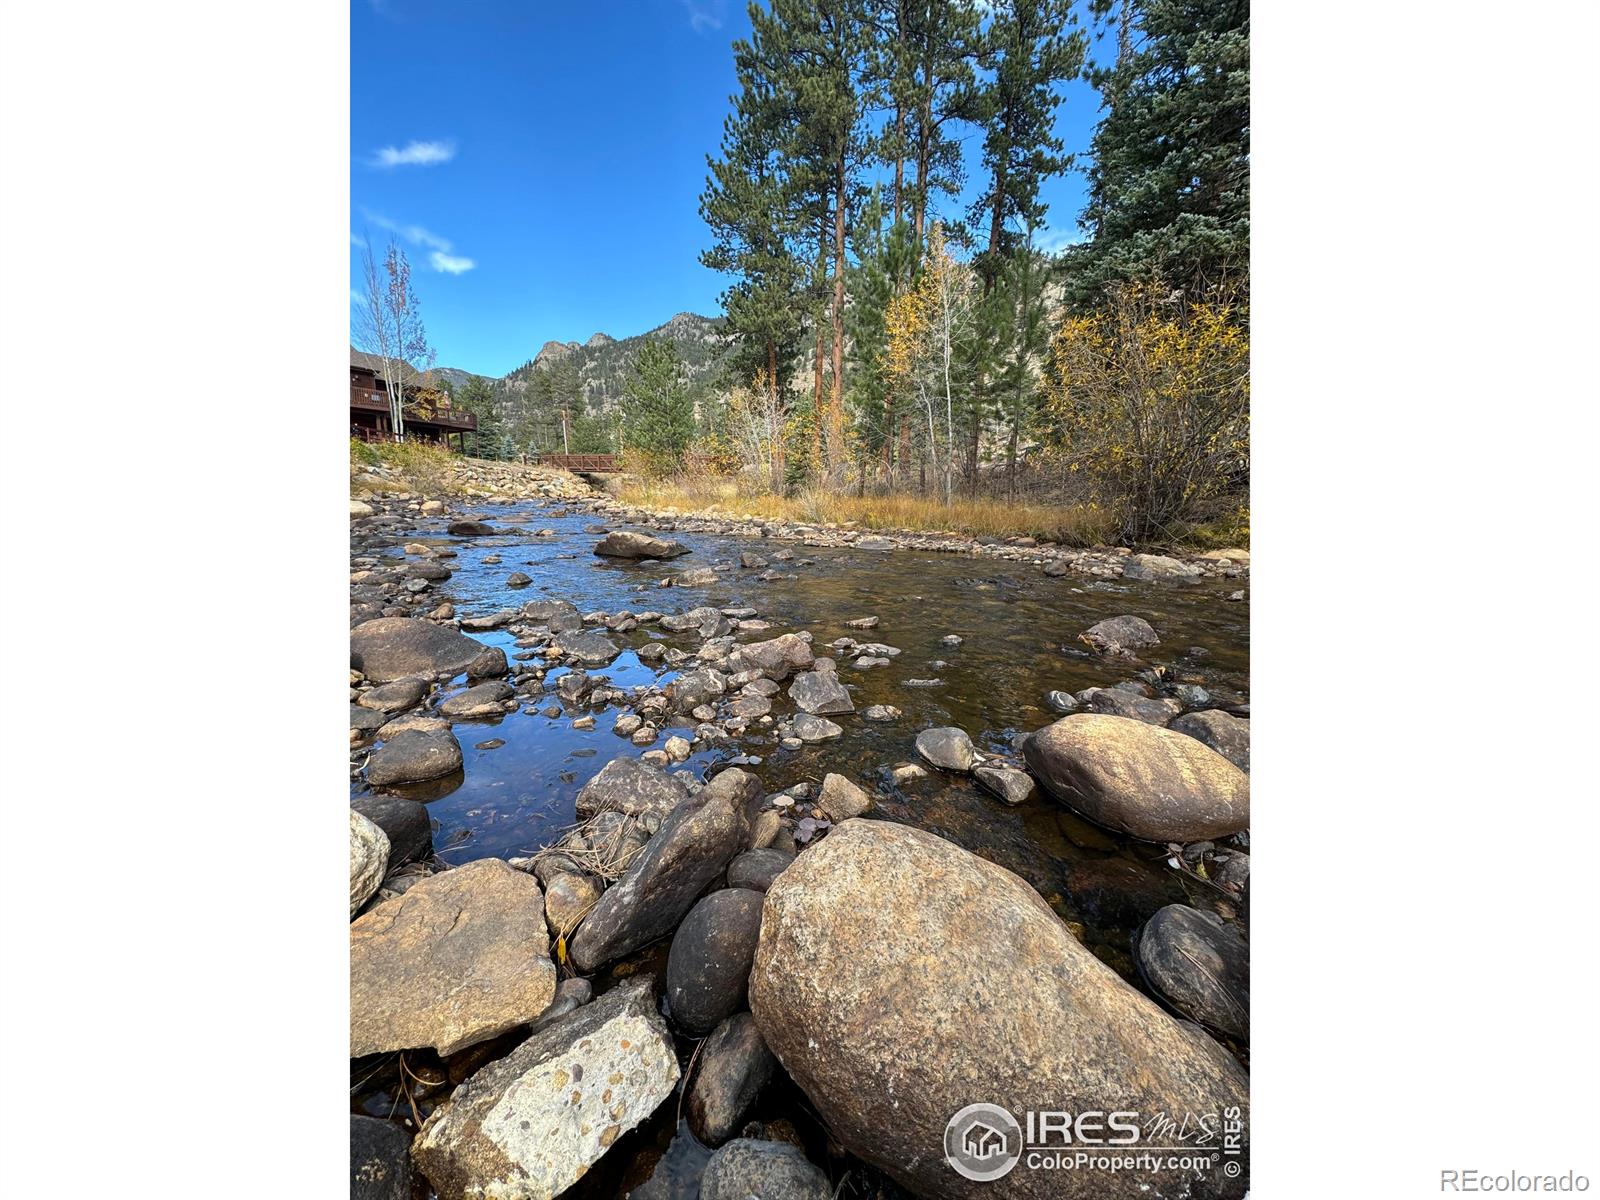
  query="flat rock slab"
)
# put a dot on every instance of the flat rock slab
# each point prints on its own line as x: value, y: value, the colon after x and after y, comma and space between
x: 390, y: 648
x: 586, y: 646
x: 482, y: 700
x: 814, y: 729
x: 459, y: 958
x: 625, y: 544
x: 1140, y: 779
x: 531, y: 1124
x: 631, y: 787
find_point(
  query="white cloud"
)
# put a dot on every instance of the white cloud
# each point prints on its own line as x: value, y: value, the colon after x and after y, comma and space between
x: 357, y: 298
x: 440, y: 257
x: 415, y: 154
x: 1054, y: 241
x: 449, y: 263
x: 704, y: 14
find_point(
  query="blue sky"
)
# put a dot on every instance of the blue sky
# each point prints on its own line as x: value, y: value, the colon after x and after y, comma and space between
x: 542, y: 162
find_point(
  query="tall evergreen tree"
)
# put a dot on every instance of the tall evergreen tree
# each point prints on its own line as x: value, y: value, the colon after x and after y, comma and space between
x: 1028, y: 49
x: 659, y: 420
x: 1169, y: 185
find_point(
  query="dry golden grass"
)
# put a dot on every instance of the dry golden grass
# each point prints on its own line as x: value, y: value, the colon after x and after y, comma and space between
x: 1075, y: 525
x: 422, y: 467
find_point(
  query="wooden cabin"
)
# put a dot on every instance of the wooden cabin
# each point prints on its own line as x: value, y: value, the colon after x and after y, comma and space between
x: 429, y: 414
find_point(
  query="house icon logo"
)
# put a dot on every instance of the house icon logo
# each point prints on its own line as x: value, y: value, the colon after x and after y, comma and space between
x: 982, y: 1142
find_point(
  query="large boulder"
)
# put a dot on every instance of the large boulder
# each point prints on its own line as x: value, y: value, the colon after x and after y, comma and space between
x: 470, y: 529
x: 775, y: 658
x: 946, y: 747
x: 1140, y: 779
x: 528, y: 1126
x: 632, y: 787
x: 1159, y: 567
x: 709, y: 963
x: 459, y: 958
x: 747, y: 1169
x: 734, y: 1065
x: 413, y: 756
x: 380, y: 1162
x: 820, y: 693
x: 900, y: 974
x: 395, y: 697
x: 621, y: 543
x: 693, y: 847
x: 404, y: 822
x: 1120, y: 635
x: 1226, y: 734
x: 369, y: 859
x: 1200, y: 966
x: 389, y: 648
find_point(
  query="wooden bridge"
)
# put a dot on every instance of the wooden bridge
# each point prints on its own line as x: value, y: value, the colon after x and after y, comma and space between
x: 579, y: 463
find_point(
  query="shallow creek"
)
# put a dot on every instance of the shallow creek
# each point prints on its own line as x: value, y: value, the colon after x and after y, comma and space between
x: 1019, y: 631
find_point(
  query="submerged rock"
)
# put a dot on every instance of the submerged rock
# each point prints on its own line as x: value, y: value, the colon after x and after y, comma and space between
x: 695, y: 844
x: 1199, y: 965
x: 459, y: 958
x: 709, y: 963
x: 531, y: 1124
x: 369, y: 858
x: 990, y: 996
x: 734, y: 1066
x: 1140, y: 779
x: 389, y: 648
x: 624, y: 544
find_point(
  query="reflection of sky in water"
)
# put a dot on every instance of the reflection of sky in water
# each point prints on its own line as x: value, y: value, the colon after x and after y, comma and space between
x: 1020, y: 629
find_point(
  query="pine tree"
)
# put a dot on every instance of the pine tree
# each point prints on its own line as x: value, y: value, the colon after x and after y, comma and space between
x: 1169, y: 187
x: 659, y: 420
x: 1029, y: 47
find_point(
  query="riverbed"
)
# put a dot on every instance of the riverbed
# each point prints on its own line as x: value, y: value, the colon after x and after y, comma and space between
x: 1018, y: 641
